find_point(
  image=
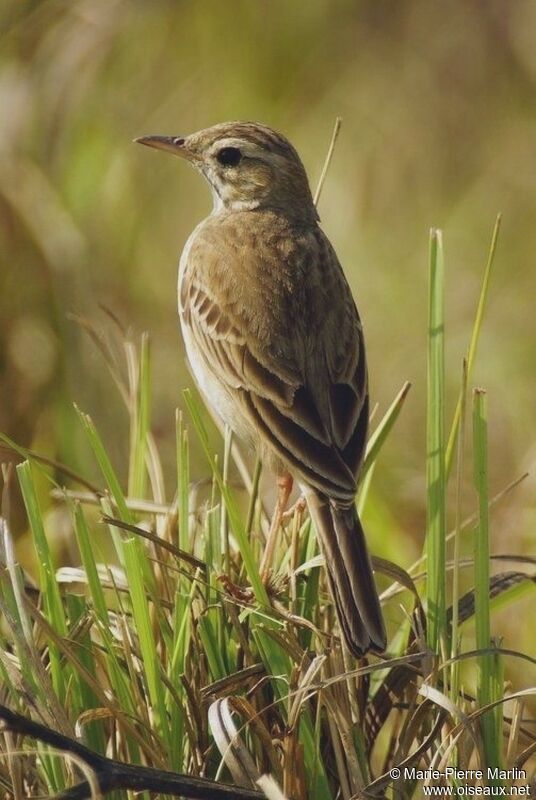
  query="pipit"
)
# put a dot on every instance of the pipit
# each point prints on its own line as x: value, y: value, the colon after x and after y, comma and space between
x: 275, y: 342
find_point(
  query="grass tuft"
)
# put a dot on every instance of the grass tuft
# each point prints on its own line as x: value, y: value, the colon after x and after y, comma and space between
x: 175, y: 654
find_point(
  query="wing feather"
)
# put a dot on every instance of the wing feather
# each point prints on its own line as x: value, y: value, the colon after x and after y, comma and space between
x: 306, y: 392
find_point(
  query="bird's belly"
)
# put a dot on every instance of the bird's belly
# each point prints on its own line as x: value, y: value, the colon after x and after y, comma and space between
x: 220, y: 400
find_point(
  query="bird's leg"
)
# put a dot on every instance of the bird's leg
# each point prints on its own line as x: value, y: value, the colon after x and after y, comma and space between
x: 284, y: 489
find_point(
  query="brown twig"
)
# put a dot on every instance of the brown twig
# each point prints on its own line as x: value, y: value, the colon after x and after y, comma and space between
x: 112, y: 775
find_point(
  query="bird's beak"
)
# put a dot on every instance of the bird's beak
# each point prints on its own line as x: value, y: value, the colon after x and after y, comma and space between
x: 173, y: 144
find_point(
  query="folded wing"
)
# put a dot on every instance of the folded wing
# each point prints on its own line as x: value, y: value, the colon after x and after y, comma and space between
x: 304, y: 386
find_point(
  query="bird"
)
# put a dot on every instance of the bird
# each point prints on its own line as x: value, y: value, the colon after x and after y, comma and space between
x: 275, y: 343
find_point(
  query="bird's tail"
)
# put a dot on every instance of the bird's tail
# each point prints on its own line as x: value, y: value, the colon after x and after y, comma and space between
x: 349, y: 574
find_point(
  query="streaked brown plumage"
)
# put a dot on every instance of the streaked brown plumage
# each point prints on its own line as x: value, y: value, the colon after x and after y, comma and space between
x: 275, y: 342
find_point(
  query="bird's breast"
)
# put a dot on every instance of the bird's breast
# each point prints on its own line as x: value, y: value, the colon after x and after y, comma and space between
x: 221, y: 400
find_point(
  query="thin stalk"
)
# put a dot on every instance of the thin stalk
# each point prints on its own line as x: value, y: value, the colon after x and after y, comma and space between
x: 435, y: 446
x: 253, y: 495
x: 487, y: 664
x: 475, y: 336
x: 139, y: 419
x: 327, y: 162
x: 454, y: 680
x: 224, y: 526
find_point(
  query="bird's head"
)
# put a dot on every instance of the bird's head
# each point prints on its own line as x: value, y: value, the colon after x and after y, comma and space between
x: 247, y: 165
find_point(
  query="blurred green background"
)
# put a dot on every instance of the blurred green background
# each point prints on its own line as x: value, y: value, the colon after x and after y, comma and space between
x: 438, y: 111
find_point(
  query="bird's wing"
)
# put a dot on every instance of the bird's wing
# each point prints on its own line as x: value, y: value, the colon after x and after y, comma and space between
x: 289, y: 345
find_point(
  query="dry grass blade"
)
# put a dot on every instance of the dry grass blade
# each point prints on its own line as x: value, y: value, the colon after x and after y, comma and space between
x: 234, y: 681
x: 384, y: 780
x: 133, y: 503
x: 468, y: 654
x: 327, y: 162
x: 441, y: 700
x: 181, y: 555
x: 474, y: 715
x: 302, y: 693
x: 401, y: 578
x: 409, y: 660
x: 101, y: 344
x: 46, y: 461
x: 127, y: 725
x: 389, y: 694
x: 270, y: 788
x: 228, y: 741
x: 513, y: 739
x: 498, y: 584
x: 523, y: 757
x: 352, y: 771
x: 471, y: 520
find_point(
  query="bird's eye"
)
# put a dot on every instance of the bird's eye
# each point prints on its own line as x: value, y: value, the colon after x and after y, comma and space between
x: 229, y: 156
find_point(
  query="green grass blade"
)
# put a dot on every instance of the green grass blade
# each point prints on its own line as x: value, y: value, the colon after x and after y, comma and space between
x: 488, y: 665
x: 208, y: 625
x: 140, y: 416
x: 254, y: 496
x: 435, y: 449
x: 90, y: 566
x: 377, y: 439
x: 239, y: 529
x: 177, y: 666
x: 142, y: 619
x: 481, y: 540
x: 278, y: 663
x: 105, y: 466
x: 183, y: 482
x: 47, y: 571
x: 119, y: 680
x: 473, y: 344
x: 12, y: 596
x: 454, y: 679
x: 364, y: 489
x: 45, y: 465
x: 224, y: 563
x: 115, y: 489
x: 82, y: 695
x: 53, y: 606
